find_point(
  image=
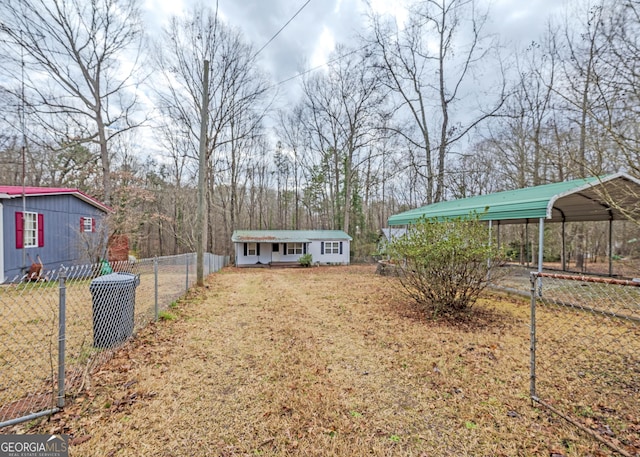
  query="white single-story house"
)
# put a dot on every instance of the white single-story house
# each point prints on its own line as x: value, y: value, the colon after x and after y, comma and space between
x: 270, y: 247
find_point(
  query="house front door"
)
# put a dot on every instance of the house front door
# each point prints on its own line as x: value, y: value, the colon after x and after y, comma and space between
x: 276, y: 252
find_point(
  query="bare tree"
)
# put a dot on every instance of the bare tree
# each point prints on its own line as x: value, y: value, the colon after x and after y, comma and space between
x: 237, y: 92
x: 620, y: 74
x: 583, y: 91
x: 290, y: 130
x: 521, y: 141
x: 345, y: 108
x: 75, y: 78
x: 408, y: 60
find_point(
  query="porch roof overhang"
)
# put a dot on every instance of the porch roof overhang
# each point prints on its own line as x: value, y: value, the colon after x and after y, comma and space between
x: 591, y: 199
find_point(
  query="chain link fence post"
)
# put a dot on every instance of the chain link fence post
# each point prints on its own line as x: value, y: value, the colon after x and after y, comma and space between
x: 532, y: 339
x: 186, y: 283
x: 155, y: 287
x: 62, y: 326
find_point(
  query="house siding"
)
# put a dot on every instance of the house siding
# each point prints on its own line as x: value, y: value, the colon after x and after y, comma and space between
x: 318, y: 255
x: 62, y: 236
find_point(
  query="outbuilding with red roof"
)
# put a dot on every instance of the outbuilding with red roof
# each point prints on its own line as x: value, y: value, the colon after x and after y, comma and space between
x: 49, y: 225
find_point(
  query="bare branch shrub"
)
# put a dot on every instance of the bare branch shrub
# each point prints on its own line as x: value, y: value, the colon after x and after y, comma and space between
x: 445, y: 265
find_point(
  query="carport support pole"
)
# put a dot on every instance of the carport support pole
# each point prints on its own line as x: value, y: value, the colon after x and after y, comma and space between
x: 62, y: 325
x: 564, y: 249
x: 540, y: 253
x: 489, y: 259
x: 610, y: 247
x: 526, y: 243
x: 540, y: 245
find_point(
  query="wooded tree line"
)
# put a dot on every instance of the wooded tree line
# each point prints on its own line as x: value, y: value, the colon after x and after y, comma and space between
x: 433, y: 109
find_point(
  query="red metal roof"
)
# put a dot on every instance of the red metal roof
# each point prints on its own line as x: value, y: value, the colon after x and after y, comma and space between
x: 16, y: 191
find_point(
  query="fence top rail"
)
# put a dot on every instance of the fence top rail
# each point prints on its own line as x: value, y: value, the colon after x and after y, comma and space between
x: 584, y: 278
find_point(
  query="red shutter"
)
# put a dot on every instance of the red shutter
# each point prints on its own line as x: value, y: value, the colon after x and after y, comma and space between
x: 93, y: 224
x: 40, y: 230
x: 19, y: 230
x: 82, y: 224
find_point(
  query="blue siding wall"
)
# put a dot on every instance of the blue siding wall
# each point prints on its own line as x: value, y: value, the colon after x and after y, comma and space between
x: 62, y: 236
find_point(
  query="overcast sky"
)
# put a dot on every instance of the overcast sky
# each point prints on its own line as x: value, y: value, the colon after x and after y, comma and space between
x: 308, y: 40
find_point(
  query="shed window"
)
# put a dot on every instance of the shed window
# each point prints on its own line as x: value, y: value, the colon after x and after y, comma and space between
x: 332, y: 247
x: 251, y: 249
x: 87, y: 224
x: 294, y: 248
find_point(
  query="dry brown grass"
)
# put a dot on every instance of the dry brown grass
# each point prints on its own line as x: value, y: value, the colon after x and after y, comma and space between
x: 318, y: 361
x: 29, y: 335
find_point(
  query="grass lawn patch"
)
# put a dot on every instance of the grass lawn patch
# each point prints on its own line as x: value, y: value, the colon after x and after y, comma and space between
x: 317, y: 361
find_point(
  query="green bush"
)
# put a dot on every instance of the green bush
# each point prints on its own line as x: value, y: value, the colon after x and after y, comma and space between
x: 305, y: 260
x: 445, y: 265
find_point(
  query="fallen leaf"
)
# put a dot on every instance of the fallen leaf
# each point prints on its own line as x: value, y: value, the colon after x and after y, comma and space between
x: 79, y: 440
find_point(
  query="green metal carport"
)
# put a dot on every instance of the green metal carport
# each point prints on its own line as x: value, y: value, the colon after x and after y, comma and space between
x: 605, y: 198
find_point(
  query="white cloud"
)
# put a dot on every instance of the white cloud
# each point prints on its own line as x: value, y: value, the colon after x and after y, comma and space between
x: 163, y: 7
x: 394, y: 8
x: 325, y: 44
x: 158, y: 12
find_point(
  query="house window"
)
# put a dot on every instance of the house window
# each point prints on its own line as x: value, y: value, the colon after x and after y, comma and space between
x: 251, y: 248
x: 332, y: 247
x: 87, y: 224
x: 30, y: 230
x: 294, y: 248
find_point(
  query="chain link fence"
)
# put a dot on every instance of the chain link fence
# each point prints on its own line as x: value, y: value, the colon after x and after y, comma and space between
x: 54, y: 332
x: 585, y: 354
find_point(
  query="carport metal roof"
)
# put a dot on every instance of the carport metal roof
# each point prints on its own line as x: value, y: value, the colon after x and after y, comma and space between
x: 579, y: 200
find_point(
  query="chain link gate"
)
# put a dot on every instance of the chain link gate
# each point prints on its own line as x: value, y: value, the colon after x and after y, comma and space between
x: 585, y: 355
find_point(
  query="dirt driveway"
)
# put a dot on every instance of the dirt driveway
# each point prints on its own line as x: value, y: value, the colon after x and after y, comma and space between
x: 318, y: 361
